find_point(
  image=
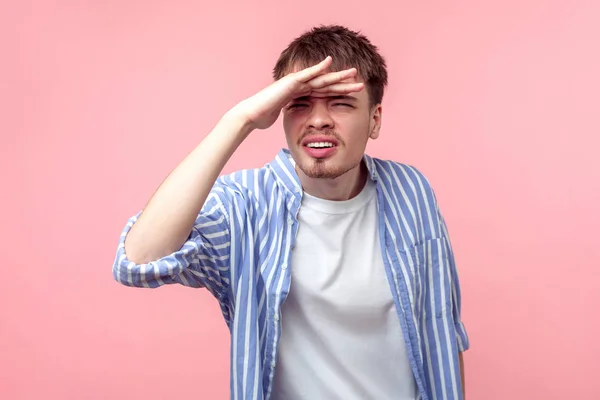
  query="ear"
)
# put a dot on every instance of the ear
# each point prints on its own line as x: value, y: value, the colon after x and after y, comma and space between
x: 375, y: 125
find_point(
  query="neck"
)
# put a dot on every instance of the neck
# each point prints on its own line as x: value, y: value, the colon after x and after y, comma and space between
x: 344, y: 187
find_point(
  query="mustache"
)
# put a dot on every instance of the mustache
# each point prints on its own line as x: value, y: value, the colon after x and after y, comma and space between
x: 328, y: 132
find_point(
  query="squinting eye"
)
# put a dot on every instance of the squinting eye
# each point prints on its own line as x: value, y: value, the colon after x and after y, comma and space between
x: 296, y: 106
x: 343, y: 104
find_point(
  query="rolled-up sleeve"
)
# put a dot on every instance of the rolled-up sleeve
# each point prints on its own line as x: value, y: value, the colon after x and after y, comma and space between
x: 202, y: 261
x: 459, y: 327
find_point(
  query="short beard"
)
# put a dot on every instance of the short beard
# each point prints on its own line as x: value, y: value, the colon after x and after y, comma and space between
x: 318, y: 169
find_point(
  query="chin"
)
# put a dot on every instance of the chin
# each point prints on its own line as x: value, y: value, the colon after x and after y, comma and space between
x: 323, y: 168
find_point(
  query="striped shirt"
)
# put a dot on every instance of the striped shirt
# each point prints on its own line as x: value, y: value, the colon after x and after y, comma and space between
x: 240, y: 249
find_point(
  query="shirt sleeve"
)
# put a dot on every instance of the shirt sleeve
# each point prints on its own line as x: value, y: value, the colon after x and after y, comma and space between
x: 459, y: 327
x: 202, y: 261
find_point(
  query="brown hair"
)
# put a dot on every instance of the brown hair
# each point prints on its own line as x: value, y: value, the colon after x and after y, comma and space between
x: 347, y: 48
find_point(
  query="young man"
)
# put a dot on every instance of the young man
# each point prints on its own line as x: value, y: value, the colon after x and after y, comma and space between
x: 333, y: 270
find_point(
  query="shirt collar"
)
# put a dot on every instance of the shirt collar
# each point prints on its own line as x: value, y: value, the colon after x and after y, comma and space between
x: 283, y: 167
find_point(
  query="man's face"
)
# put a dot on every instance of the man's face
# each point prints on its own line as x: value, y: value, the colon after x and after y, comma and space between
x: 327, y: 136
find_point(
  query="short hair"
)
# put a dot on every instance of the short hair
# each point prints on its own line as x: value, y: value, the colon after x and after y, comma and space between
x: 348, y: 49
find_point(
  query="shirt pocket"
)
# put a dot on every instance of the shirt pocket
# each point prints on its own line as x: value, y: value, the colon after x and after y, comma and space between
x: 433, y: 291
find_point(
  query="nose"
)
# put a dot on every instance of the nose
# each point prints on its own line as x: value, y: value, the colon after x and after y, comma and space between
x: 319, y: 117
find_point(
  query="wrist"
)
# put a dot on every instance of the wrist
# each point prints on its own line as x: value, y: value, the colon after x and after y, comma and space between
x: 238, y: 121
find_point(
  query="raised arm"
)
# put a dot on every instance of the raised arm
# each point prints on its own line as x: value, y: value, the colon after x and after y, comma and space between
x: 177, y: 225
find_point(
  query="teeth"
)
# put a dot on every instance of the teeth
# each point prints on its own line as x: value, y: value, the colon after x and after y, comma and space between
x: 318, y: 145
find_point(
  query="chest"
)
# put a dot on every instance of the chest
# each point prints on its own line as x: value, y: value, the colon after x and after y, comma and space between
x: 337, y: 262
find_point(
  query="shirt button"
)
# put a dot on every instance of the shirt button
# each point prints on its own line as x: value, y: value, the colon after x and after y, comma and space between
x: 284, y: 266
x: 297, y: 189
x: 276, y: 317
x: 273, y: 364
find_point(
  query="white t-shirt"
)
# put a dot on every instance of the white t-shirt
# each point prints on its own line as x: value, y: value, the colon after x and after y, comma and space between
x: 341, y: 335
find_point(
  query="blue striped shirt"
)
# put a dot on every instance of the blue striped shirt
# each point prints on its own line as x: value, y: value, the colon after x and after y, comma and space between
x: 240, y: 249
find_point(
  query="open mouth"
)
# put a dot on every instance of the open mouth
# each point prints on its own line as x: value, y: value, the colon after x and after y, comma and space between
x: 320, y: 145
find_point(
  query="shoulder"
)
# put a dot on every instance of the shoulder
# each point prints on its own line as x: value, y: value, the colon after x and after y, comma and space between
x: 252, y: 185
x: 406, y: 176
x: 409, y: 198
x: 246, y: 178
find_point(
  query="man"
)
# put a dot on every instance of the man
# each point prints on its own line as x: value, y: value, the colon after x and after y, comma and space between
x: 333, y: 270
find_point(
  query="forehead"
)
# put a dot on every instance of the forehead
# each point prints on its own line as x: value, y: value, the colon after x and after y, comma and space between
x: 347, y: 97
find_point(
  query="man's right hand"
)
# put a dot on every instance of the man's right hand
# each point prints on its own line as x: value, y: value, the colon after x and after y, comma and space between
x: 263, y: 109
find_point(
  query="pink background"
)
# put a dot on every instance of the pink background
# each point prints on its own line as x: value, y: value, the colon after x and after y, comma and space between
x: 497, y: 102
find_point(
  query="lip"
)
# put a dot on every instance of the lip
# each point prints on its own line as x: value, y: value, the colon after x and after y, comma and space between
x: 320, y: 153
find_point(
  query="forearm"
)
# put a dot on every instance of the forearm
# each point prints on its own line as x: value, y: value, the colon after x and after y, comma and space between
x: 169, y: 216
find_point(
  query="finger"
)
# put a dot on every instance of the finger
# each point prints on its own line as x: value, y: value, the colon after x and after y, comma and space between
x: 337, y: 89
x: 331, y: 78
x: 309, y: 73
